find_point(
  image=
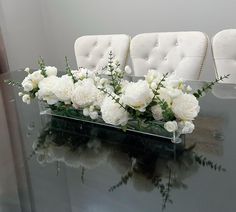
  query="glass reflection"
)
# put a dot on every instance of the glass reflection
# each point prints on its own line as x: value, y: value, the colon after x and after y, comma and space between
x: 145, y: 162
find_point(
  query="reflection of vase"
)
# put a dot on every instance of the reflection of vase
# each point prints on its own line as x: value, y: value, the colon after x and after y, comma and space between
x: 149, y: 128
x: 3, y: 57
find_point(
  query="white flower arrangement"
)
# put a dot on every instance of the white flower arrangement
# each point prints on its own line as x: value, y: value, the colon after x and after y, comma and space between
x: 105, y: 94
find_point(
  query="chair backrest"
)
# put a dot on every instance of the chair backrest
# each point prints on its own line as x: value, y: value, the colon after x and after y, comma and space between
x: 182, y: 53
x: 92, y: 51
x: 224, y: 53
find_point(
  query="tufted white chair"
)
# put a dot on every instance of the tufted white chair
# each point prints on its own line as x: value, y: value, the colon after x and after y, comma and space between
x: 224, y: 53
x: 92, y: 51
x: 180, y: 53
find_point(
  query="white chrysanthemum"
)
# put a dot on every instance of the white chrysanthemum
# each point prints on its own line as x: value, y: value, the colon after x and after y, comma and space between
x: 84, y: 93
x: 47, y: 88
x: 51, y: 71
x: 138, y: 95
x: 186, y: 107
x: 113, y: 113
x: 157, y: 112
x: 186, y: 127
x: 31, y: 81
x: 64, y: 88
x: 171, y: 126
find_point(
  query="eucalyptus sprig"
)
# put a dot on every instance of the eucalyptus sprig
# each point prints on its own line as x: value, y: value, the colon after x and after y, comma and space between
x: 13, y: 83
x: 116, y: 77
x: 124, y: 180
x: 200, y: 92
x: 203, y: 161
x: 42, y: 66
x: 68, y: 70
x: 116, y: 99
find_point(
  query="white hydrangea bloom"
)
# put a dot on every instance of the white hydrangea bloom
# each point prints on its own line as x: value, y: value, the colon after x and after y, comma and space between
x: 113, y: 113
x: 47, y: 88
x: 64, y: 89
x: 186, y: 107
x: 138, y: 95
x: 84, y: 94
x: 51, y: 71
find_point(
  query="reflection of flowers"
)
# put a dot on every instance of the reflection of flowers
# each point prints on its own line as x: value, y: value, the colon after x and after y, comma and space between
x: 146, y: 167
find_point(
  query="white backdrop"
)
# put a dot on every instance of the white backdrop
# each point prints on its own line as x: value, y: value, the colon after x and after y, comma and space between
x: 50, y: 27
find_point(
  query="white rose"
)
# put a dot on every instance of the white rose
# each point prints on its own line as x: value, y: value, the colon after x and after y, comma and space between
x: 138, y: 95
x: 186, y: 127
x: 171, y: 126
x: 64, y: 88
x: 93, y: 115
x: 113, y: 113
x: 51, y: 71
x: 157, y: 112
x: 26, y: 98
x: 185, y: 107
x: 47, y: 88
x: 31, y: 81
x: 27, y: 85
x: 84, y: 94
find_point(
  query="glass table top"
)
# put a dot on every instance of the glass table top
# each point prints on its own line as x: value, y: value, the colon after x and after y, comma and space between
x: 54, y: 164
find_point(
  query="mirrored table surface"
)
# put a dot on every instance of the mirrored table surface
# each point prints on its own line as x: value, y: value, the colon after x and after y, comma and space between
x: 54, y: 164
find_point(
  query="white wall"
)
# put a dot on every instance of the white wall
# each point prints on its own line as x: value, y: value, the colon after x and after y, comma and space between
x: 50, y: 27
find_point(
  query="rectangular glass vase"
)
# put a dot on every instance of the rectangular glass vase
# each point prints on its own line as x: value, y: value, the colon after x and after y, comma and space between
x: 150, y: 128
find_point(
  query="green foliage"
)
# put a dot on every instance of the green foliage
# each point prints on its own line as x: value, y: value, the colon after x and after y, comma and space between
x: 124, y: 180
x: 115, y: 75
x: 42, y: 66
x: 201, y: 92
x: 203, y: 161
x: 68, y: 70
x: 13, y: 83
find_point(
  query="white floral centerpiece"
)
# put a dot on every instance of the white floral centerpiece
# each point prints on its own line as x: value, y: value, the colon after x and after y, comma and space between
x: 157, y: 101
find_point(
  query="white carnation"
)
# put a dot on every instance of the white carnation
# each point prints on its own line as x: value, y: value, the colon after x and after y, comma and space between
x: 185, y: 107
x: 64, y: 88
x: 138, y: 95
x: 113, y: 113
x: 51, y: 71
x: 157, y: 112
x: 47, y: 88
x: 84, y: 94
x: 171, y: 126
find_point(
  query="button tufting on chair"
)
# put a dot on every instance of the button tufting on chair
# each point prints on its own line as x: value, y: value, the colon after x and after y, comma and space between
x: 92, y: 51
x: 179, y: 52
x: 224, y: 53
